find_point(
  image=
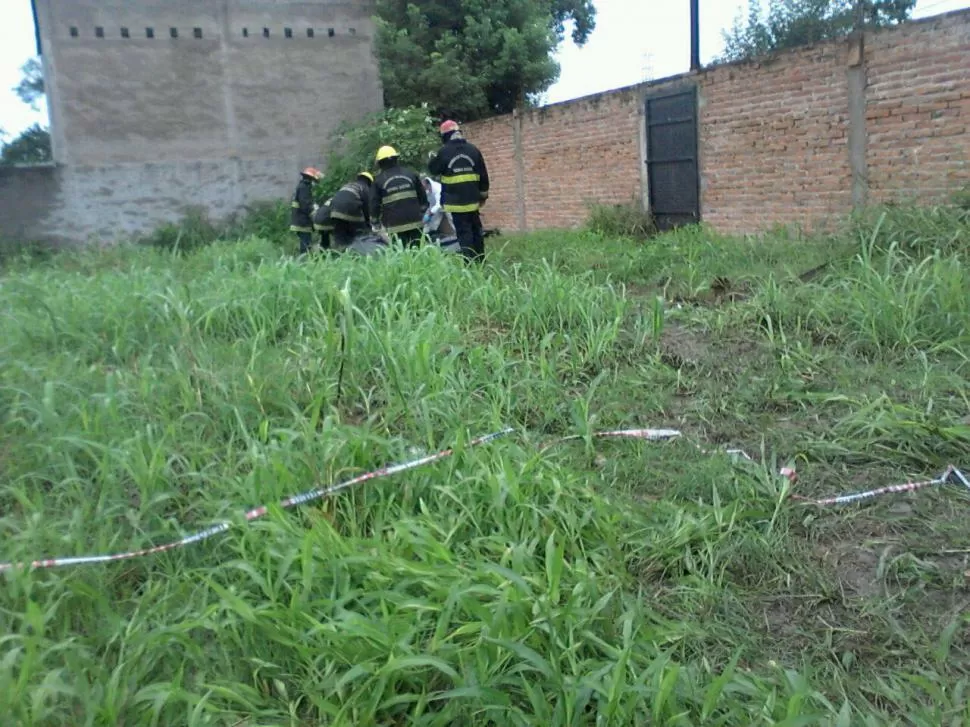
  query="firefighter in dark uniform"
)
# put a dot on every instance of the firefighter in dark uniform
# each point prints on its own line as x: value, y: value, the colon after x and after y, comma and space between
x: 350, y: 211
x: 323, y: 224
x: 398, y: 199
x: 464, y: 187
x: 301, y: 208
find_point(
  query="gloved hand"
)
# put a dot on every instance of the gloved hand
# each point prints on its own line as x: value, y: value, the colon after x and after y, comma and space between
x: 427, y: 217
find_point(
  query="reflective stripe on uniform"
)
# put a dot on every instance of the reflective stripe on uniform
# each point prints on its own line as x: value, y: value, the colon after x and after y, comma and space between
x: 298, y: 228
x: 398, y: 196
x: 323, y: 228
x: 461, y: 178
x: 473, y: 207
x: 343, y: 216
x: 405, y: 228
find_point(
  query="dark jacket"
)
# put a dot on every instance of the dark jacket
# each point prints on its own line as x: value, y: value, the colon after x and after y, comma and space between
x: 302, y: 207
x: 398, y: 200
x: 351, y: 204
x: 321, y: 219
x: 464, y: 177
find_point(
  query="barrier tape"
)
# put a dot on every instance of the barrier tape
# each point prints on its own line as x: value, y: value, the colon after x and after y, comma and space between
x: 255, y: 513
x: 952, y: 474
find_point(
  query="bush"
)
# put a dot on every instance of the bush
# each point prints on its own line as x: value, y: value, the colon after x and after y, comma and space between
x: 193, y: 231
x: 961, y: 199
x: 411, y: 131
x: 916, y: 231
x: 621, y: 220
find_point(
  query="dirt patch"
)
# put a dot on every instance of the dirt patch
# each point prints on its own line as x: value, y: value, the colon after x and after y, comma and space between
x: 855, y: 567
x: 683, y: 348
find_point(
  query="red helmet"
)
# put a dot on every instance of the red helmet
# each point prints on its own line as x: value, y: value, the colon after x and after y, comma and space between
x: 313, y: 173
x: 447, y: 127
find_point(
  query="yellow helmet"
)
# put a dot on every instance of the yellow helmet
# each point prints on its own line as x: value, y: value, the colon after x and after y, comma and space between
x: 367, y: 174
x: 386, y: 152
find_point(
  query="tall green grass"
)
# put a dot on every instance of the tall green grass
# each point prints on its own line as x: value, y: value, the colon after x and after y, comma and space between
x: 146, y: 392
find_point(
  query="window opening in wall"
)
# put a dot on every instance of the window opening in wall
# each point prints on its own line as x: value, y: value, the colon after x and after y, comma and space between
x: 73, y: 31
x: 353, y: 31
x: 197, y: 32
x: 288, y: 32
x: 174, y: 32
x: 266, y: 32
x: 309, y: 32
x: 330, y: 32
x: 99, y: 32
x: 149, y: 32
x: 245, y: 32
x: 125, y: 33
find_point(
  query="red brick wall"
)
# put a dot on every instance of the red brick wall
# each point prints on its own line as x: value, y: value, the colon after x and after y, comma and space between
x: 494, y: 137
x: 773, y: 136
x: 579, y: 153
x: 918, y: 110
x: 773, y: 141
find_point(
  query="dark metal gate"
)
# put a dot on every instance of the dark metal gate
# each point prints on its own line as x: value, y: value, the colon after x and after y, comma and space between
x: 672, y: 170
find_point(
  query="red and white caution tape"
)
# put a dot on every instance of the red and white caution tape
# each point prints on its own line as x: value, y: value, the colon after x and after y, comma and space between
x: 654, y: 435
x: 255, y: 513
x: 951, y: 475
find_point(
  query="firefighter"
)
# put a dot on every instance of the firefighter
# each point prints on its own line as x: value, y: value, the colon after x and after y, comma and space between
x: 398, y: 199
x: 301, y: 208
x: 350, y: 211
x: 464, y: 187
x: 323, y: 224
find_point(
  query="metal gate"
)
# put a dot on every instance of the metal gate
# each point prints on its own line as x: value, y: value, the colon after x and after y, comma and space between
x: 672, y: 170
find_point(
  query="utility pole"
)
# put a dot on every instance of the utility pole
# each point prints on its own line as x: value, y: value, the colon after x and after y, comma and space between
x: 695, y: 35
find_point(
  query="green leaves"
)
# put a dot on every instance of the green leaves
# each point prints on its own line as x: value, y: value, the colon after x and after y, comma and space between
x: 791, y: 23
x: 471, y: 58
x: 410, y: 129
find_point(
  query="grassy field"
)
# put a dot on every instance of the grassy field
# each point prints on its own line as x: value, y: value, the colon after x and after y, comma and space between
x: 145, y: 395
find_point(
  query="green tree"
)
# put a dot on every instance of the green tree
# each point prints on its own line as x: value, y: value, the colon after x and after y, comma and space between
x: 31, y: 86
x: 792, y: 23
x: 409, y: 130
x: 474, y: 58
x: 33, y: 146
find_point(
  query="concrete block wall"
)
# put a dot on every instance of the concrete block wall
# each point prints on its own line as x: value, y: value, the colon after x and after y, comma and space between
x: 799, y: 137
x: 158, y: 106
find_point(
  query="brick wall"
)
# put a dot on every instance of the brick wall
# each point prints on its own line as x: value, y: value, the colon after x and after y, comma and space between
x: 918, y: 110
x: 773, y: 136
x: 773, y: 141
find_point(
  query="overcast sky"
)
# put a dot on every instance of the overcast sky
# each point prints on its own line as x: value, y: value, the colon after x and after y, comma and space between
x: 634, y: 40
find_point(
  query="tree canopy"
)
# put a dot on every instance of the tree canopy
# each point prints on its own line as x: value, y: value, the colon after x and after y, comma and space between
x: 791, y: 23
x: 31, y: 86
x: 33, y: 146
x: 474, y: 58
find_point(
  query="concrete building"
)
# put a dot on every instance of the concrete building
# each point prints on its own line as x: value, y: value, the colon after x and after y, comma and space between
x: 158, y: 106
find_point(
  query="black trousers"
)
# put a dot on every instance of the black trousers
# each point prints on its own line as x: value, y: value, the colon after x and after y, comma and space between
x: 471, y: 236
x: 345, y: 232
x: 306, y: 239
x: 410, y: 238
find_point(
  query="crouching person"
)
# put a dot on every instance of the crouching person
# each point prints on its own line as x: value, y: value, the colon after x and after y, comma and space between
x: 350, y: 212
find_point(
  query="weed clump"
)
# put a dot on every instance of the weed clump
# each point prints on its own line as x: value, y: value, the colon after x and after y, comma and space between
x: 627, y: 220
